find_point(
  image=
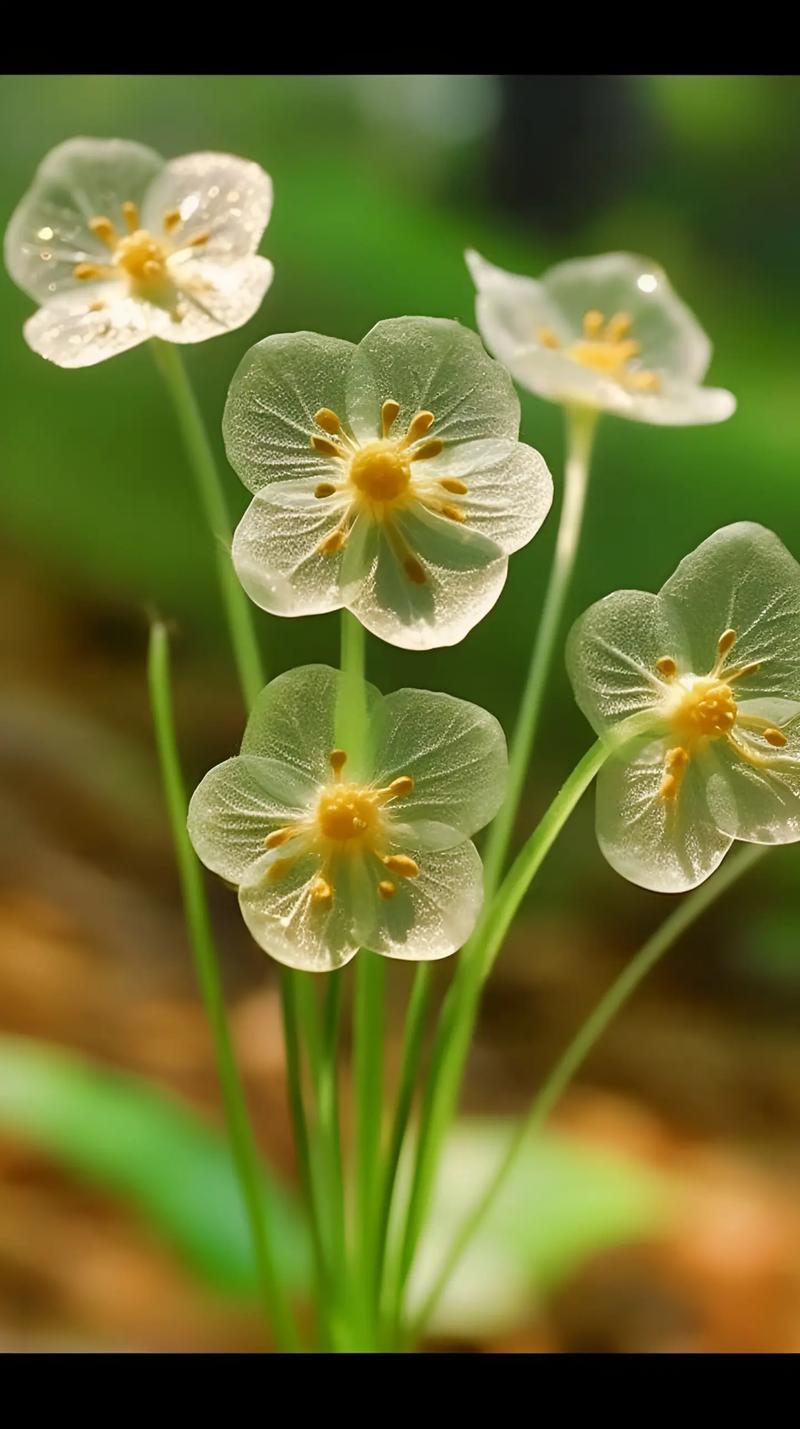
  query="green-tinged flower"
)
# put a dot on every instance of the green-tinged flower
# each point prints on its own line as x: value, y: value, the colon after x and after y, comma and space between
x: 334, y: 849
x: 388, y: 477
x: 119, y: 246
x: 605, y: 332
x: 715, y: 659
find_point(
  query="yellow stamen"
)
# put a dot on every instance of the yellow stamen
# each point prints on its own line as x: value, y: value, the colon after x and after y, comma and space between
x: 151, y: 268
x: 325, y: 488
x: 453, y: 513
x: 451, y: 483
x: 97, y: 307
x: 547, y: 337
x: 85, y: 271
x: 618, y: 327
x: 380, y: 471
x: 279, y: 869
x: 645, y: 381
x: 726, y: 642
x: 743, y: 671
x: 198, y: 240
x: 325, y: 447
x: 593, y: 323
x: 402, y: 864
x: 277, y: 837
x: 401, y: 786
x: 321, y: 892
x: 667, y: 667
x: 334, y: 542
x: 414, y: 570
x: 775, y: 738
x: 172, y: 218
x: 386, y: 889
x: 389, y: 411
x: 130, y: 213
x: 104, y: 229
x: 328, y: 420
x: 337, y: 760
x: 675, y: 766
x: 418, y: 427
x: 431, y: 448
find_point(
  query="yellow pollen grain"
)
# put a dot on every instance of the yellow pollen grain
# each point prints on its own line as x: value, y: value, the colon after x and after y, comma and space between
x: 172, y: 218
x: 85, y: 271
x: 328, y: 420
x: 386, y: 889
x: 325, y: 447
x: 453, y: 485
x: 198, y: 240
x: 130, y: 213
x: 151, y: 268
x: 775, y: 738
x: 277, y: 837
x: 667, y: 667
x: 401, y: 786
x: 618, y: 327
x: 103, y: 229
x: 414, y: 570
x: 430, y: 449
x: 337, y: 760
x: 402, y: 864
x: 389, y: 412
x: 321, y: 892
x: 325, y: 488
x: 675, y: 766
x: 333, y: 543
x: 593, y: 323
x: 547, y: 337
x: 726, y: 641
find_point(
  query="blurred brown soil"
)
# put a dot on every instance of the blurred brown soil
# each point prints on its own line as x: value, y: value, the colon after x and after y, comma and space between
x: 93, y: 956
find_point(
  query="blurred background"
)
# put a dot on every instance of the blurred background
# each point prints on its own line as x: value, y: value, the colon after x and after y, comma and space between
x: 661, y: 1213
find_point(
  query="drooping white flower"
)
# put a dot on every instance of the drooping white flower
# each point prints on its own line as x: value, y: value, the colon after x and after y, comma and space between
x: 388, y: 477
x: 607, y: 332
x: 119, y: 246
x: 334, y: 849
x: 715, y: 659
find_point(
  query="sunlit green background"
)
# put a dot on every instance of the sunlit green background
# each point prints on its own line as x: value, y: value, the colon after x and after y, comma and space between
x: 381, y: 181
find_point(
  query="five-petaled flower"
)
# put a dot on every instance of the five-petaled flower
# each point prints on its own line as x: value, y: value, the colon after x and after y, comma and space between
x: 606, y: 332
x: 118, y: 246
x: 388, y: 477
x: 714, y: 659
x: 337, y: 848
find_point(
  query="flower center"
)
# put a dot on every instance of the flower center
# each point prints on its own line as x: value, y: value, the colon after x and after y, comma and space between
x: 607, y: 348
x: 346, y: 812
x: 380, y: 471
x: 703, y: 707
x: 141, y: 256
x: 137, y: 254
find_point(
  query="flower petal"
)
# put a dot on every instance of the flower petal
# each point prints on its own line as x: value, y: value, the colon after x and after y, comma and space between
x: 509, y: 488
x: 668, y: 846
x: 276, y: 549
x: 236, y: 806
x: 436, y: 365
x: 49, y: 231
x: 216, y: 297
x: 742, y: 578
x: 759, y: 802
x: 277, y: 389
x: 672, y: 340
x: 293, y: 722
x: 288, y: 924
x: 454, y: 751
x: 560, y: 378
x: 432, y: 915
x: 511, y: 309
x: 219, y: 194
x: 69, y: 333
x: 612, y: 651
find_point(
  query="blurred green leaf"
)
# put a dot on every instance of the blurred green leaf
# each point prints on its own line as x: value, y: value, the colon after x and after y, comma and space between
x: 119, y: 1132
x: 561, y: 1204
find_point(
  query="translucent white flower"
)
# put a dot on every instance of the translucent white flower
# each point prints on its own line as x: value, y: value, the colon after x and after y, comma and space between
x: 606, y: 332
x: 388, y: 478
x: 715, y: 658
x: 334, y: 849
x: 118, y: 246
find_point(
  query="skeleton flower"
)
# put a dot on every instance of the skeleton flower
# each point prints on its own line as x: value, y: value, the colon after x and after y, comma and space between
x: 715, y: 659
x: 333, y: 849
x: 118, y: 246
x: 388, y: 478
x: 607, y: 333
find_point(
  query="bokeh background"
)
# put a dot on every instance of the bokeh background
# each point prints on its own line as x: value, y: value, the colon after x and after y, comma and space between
x: 662, y: 1212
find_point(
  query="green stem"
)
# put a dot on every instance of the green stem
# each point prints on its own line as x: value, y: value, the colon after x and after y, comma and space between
x: 689, y: 909
x: 369, y: 1029
x: 456, y: 1024
x: 413, y: 1040
x: 243, y: 1145
x: 238, y: 610
x: 581, y: 424
x: 351, y: 709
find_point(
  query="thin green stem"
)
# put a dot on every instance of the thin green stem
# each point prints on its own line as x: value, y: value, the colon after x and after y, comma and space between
x: 351, y: 710
x: 198, y: 922
x: 368, y: 1069
x: 238, y: 610
x: 689, y: 909
x: 580, y: 426
x: 456, y: 1024
x: 413, y: 1041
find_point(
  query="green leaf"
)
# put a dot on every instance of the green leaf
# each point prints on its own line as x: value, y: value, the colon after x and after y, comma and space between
x: 561, y: 1204
x: 136, y: 1140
